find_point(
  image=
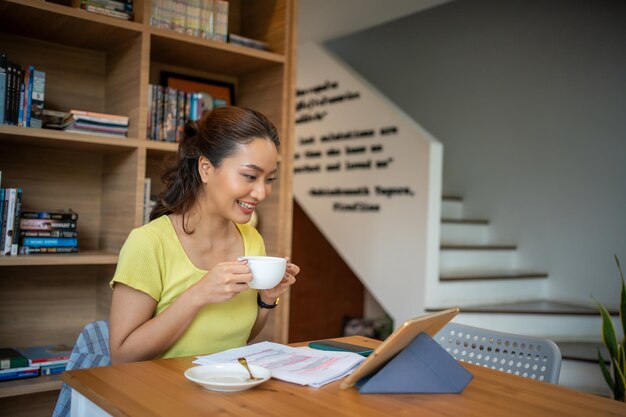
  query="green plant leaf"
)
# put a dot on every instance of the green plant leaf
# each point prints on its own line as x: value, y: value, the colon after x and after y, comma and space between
x: 605, y: 372
x: 622, y: 307
x: 608, y: 331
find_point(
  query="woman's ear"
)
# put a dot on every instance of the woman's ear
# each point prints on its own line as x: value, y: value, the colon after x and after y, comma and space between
x: 204, y: 166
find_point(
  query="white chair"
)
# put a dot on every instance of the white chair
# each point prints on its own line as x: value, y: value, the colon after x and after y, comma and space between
x: 527, y: 356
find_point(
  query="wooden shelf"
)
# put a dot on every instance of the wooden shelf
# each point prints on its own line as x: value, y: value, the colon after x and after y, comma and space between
x: 102, y: 64
x: 70, y: 26
x: 58, y: 138
x: 166, y: 147
x: 30, y: 385
x: 207, y: 55
x: 81, y: 258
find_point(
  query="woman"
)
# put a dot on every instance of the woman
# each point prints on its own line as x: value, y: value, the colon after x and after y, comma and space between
x: 178, y: 289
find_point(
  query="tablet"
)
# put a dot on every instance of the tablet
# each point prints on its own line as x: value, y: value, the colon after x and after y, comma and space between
x: 429, y: 324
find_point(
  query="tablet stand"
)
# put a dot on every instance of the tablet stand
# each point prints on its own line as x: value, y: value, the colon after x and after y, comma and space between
x: 422, y: 367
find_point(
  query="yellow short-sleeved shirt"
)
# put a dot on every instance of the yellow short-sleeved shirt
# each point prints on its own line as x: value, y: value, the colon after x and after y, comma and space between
x: 153, y: 261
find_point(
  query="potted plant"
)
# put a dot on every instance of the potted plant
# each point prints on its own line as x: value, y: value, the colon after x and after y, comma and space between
x: 617, y: 349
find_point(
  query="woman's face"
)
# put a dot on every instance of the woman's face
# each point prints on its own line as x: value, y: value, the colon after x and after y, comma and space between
x: 242, y: 181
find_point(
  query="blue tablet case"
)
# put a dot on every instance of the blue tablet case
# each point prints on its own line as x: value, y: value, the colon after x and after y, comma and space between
x: 422, y: 367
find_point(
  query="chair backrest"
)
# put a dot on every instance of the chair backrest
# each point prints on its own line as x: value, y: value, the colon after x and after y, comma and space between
x: 90, y: 351
x: 527, y: 356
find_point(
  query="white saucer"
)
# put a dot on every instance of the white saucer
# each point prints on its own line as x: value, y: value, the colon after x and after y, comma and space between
x: 226, y: 377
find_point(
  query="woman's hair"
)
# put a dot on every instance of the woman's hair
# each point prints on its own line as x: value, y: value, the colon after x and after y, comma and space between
x: 217, y: 135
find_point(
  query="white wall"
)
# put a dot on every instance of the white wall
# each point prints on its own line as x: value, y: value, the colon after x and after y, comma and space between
x: 393, y: 249
x: 529, y: 100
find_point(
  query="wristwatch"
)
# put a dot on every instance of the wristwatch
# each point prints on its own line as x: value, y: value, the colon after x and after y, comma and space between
x: 263, y: 305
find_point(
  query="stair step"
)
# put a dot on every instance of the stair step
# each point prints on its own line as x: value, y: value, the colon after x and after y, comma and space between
x: 491, y: 275
x: 465, y: 221
x: 470, y: 259
x: 534, y: 307
x: 477, y: 247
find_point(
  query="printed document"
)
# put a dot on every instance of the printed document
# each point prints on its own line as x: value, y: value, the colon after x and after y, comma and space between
x: 300, y: 365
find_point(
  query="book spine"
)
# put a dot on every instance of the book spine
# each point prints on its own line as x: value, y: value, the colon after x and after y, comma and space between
x: 49, y: 241
x: 16, y: 222
x: 49, y: 215
x: 19, y: 374
x: 106, y: 12
x: 3, y: 215
x: 12, y: 363
x: 20, y: 107
x: 29, y: 95
x: 27, y: 250
x: 48, y: 233
x: 8, y: 118
x: 37, y: 99
x: 53, y: 360
x: 46, y: 224
x: 53, y: 370
x: 3, y: 86
x: 8, y: 234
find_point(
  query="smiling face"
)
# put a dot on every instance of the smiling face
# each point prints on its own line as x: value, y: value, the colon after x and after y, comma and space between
x: 243, y: 180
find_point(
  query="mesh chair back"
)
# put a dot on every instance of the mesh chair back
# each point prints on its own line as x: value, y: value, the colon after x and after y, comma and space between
x: 527, y: 356
x: 90, y: 351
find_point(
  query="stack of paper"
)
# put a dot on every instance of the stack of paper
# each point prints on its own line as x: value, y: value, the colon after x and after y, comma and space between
x: 302, y: 365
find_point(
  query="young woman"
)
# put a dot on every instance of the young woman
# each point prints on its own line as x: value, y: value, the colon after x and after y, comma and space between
x: 178, y: 289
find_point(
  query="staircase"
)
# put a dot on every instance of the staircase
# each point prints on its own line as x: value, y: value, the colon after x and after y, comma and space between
x: 494, y: 291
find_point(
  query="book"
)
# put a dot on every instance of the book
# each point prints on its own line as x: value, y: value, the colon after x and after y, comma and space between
x: 49, y: 241
x: 46, y: 353
x: 48, y: 233
x: 54, y: 215
x: 3, y: 215
x: 17, y: 373
x: 16, y: 222
x: 37, y: 99
x: 3, y: 85
x: 11, y: 358
x: 52, y: 369
x: 46, y: 224
x: 10, y: 199
x: 27, y: 250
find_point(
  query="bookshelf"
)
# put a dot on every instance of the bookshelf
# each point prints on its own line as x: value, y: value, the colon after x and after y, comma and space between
x: 103, y: 64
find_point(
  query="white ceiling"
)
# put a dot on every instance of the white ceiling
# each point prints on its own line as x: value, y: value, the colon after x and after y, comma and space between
x: 321, y: 20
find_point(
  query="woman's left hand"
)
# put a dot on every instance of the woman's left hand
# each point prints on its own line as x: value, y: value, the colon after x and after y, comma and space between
x: 270, y: 296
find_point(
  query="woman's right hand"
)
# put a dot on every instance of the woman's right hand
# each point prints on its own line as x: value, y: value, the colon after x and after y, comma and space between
x: 222, y: 282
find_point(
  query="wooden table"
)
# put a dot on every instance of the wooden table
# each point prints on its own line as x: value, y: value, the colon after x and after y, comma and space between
x: 159, y: 388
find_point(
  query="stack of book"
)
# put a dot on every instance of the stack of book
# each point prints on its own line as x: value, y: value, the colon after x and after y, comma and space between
x: 251, y: 43
x: 21, y: 94
x: 10, y: 209
x: 92, y: 123
x: 14, y: 365
x: 51, y: 359
x: 169, y: 108
x: 207, y: 19
x: 48, y: 232
x: 120, y: 9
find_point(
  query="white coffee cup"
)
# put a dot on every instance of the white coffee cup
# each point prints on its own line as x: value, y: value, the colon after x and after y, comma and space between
x: 267, y: 271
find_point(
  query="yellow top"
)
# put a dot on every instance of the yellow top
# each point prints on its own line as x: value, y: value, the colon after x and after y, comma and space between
x: 153, y: 261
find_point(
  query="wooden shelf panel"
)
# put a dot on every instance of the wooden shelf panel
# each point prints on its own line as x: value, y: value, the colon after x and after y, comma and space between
x: 58, y: 138
x: 187, y: 51
x: 165, y: 147
x: 66, y: 25
x: 92, y: 257
x: 30, y: 385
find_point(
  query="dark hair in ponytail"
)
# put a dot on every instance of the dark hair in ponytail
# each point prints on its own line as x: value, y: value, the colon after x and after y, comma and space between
x: 216, y: 136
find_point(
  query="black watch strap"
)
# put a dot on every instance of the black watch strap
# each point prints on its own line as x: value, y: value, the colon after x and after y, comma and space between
x: 262, y: 304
